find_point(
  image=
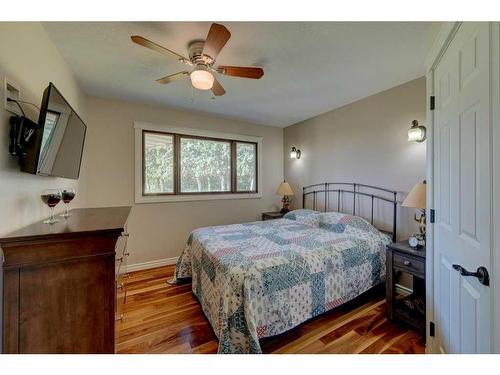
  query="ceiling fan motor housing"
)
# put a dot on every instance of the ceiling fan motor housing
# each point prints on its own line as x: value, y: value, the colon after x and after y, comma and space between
x: 196, y: 53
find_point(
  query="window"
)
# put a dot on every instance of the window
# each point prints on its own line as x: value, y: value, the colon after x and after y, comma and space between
x: 158, y: 166
x: 183, y: 164
x: 205, y: 165
x: 246, y: 172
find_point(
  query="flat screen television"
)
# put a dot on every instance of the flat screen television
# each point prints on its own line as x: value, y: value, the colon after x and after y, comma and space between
x: 57, y: 145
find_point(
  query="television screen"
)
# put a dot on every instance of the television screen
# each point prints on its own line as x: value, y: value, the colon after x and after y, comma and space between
x: 59, y: 140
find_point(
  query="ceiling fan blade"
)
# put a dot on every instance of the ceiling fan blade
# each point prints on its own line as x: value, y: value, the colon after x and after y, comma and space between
x: 172, y: 77
x: 241, y: 71
x: 217, y: 88
x: 156, y: 47
x: 217, y: 38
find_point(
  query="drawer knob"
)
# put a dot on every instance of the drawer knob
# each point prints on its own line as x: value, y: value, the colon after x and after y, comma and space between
x: 407, y: 263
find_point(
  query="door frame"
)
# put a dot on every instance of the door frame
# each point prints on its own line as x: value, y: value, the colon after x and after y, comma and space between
x: 495, y: 100
x: 439, y: 47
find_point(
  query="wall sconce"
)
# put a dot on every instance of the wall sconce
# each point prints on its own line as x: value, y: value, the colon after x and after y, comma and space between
x: 416, y: 132
x: 295, y: 153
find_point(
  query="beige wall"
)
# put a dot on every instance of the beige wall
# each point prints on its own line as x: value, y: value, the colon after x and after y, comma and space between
x: 28, y: 56
x: 159, y: 230
x: 365, y: 142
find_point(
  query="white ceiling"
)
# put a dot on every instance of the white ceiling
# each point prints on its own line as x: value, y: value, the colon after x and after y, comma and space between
x: 310, y: 67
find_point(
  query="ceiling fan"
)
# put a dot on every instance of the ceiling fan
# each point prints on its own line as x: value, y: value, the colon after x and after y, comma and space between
x: 202, y: 55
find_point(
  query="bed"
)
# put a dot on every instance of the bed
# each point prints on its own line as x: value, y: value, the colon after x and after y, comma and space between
x: 260, y: 279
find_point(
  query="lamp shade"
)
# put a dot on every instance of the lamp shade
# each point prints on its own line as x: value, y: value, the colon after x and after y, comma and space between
x: 416, y: 197
x: 295, y: 153
x: 416, y: 132
x: 284, y: 189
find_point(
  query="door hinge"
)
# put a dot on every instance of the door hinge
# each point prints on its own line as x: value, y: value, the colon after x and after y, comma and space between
x: 433, y: 215
x: 432, y: 329
x: 433, y: 102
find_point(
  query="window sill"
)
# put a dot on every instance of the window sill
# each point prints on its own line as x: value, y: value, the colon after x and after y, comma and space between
x: 194, y: 197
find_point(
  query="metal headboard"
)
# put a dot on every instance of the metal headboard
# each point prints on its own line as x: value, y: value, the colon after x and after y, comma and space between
x: 343, y: 187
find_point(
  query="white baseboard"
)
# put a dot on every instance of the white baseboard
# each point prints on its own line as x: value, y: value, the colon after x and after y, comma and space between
x: 151, y: 264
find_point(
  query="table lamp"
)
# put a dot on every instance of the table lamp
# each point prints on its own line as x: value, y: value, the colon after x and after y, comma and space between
x: 416, y: 199
x: 285, y: 191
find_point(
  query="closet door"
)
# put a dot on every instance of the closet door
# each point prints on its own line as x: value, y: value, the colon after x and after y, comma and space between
x: 462, y: 192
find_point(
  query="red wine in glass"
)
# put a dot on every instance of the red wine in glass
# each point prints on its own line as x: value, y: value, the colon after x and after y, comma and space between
x: 67, y: 197
x: 51, y: 198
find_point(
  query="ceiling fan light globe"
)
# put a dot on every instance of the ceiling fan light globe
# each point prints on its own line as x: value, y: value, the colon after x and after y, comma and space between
x: 202, y: 79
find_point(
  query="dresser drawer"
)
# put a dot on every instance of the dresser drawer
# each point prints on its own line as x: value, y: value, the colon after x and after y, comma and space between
x: 122, y: 255
x: 409, y: 264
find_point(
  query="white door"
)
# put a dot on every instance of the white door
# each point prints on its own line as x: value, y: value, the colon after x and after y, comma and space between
x: 462, y: 191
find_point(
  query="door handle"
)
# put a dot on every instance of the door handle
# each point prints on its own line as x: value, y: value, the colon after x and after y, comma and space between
x: 481, y: 273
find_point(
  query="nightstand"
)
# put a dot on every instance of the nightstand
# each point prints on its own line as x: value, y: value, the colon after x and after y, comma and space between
x: 272, y: 215
x: 403, y: 306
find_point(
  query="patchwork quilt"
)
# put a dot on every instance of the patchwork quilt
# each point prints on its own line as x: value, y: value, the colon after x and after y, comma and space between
x: 260, y: 279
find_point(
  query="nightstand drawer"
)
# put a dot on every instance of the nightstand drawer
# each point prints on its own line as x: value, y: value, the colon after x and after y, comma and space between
x: 409, y: 264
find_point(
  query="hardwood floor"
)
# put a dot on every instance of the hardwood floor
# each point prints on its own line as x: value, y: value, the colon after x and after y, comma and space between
x: 162, y: 318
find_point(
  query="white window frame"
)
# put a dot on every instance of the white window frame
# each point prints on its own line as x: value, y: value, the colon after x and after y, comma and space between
x: 140, y: 126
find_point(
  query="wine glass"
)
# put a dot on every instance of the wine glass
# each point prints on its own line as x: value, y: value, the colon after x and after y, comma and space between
x: 67, y: 196
x: 51, y: 198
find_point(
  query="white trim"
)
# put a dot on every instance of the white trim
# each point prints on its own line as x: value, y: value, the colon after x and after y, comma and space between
x: 151, y: 264
x: 192, y: 131
x: 440, y: 44
x: 439, y: 47
x: 429, y: 246
x: 139, y: 126
x: 495, y: 261
x: 190, y: 198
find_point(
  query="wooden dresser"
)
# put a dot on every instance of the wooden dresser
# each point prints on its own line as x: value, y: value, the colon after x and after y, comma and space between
x: 59, y: 283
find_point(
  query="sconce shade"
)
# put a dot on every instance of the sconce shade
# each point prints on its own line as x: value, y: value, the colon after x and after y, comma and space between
x: 294, y: 153
x: 284, y: 189
x: 416, y: 132
x: 416, y: 197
